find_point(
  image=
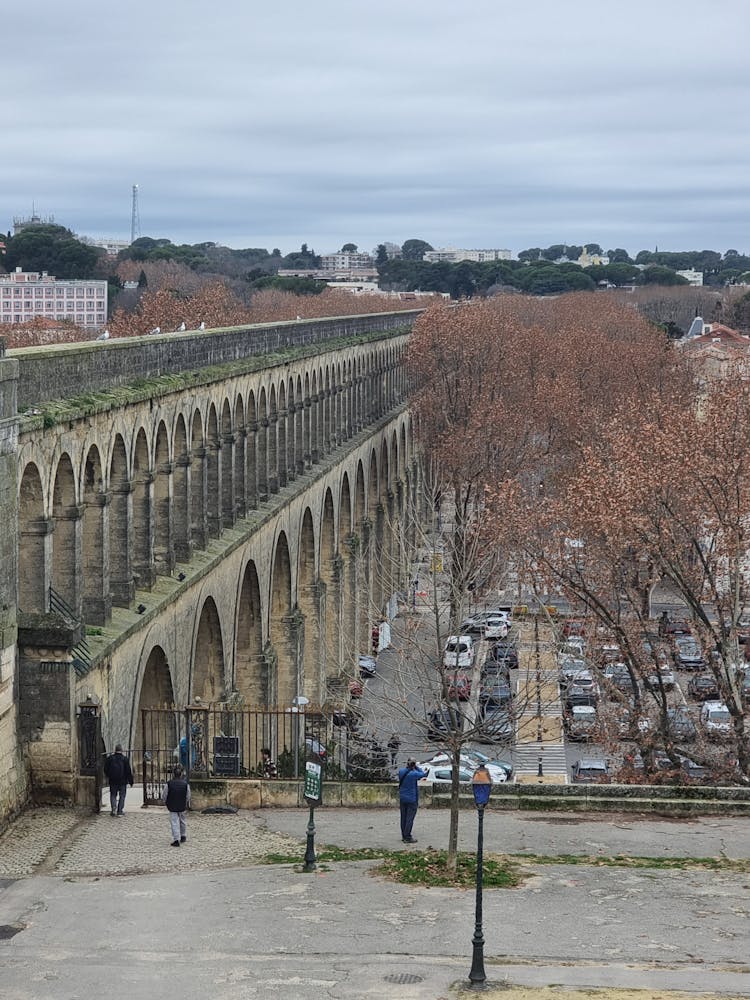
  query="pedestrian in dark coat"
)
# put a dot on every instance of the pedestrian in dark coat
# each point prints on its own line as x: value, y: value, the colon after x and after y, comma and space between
x: 176, y: 797
x: 119, y: 774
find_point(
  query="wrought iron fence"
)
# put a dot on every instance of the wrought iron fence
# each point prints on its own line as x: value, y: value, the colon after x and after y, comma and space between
x: 219, y: 742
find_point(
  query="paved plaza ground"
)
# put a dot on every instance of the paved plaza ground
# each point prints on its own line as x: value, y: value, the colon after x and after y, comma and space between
x: 93, y: 905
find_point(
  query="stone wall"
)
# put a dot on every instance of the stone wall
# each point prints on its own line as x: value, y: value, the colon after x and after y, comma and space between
x: 68, y: 369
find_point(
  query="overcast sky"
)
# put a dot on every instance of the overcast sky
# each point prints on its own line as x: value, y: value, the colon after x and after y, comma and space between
x: 480, y: 123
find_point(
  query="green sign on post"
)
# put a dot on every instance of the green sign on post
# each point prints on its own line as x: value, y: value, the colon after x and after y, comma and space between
x: 313, y: 784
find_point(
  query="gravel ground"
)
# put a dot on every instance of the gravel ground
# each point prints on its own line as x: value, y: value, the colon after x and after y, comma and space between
x: 26, y: 843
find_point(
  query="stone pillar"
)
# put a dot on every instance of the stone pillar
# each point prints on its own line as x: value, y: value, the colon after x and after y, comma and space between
x: 143, y: 547
x: 226, y: 479
x: 350, y: 598
x: 273, y: 454
x: 47, y: 717
x: 199, y: 499
x: 241, y: 491
x: 13, y: 774
x: 35, y: 571
x: 97, y: 600
x: 121, y: 582
x: 307, y: 457
x: 67, y: 561
x: 183, y: 506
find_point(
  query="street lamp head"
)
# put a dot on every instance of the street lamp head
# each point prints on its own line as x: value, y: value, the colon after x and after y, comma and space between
x: 481, y: 785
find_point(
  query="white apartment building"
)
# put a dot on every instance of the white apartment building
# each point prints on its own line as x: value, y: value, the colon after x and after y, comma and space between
x: 344, y: 261
x: 25, y: 294
x: 695, y: 278
x: 454, y: 256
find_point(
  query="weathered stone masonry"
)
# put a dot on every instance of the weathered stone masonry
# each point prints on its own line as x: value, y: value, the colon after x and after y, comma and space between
x: 234, y: 525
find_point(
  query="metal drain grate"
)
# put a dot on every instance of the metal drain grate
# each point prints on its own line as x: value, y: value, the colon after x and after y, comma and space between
x: 9, y: 930
x: 402, y: 978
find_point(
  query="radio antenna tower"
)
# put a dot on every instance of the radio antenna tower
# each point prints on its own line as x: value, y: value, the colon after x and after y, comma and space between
x: 135, y: 221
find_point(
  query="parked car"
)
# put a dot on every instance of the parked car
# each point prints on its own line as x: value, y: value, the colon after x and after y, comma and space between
x: 367, y: 665
x: 618, y: 675
x: 496, y: 691
x: 680, y: 725
x: 459, y: 687
x: 575, y: 646
x: 703, y: 687
x: 590, y: 771
x: 496, y: 628
x: 475, y: 624
x: 441, y: 722
x: 459, y: 652
x: 715, y: 719
x: 505, y: 651
x: 467, y: 762
x: 496, y: 726
x: 663, y: 671
x: 580, y: 722
x: 674, y: 628
x: 495, y: 670
x: 688, y: 655
x: 609, y: 653
x: 580, y: 678
x: 694, y: 771
x: 482, y: 758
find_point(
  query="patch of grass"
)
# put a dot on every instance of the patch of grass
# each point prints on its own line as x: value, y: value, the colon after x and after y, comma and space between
x: 635, y: 861
x: 428, y: 868
x: 330, y: 854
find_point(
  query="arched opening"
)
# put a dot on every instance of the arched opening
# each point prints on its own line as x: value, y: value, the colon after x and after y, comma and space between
x: 226, y: 467
x: 348, y: 557
x: 164, y: 555
x: 182, y: 499
x: 283, y: 460
x: 250, y: 680
x: 160, y: 730
x: 313, y: 649
x: 252, y: 452
x: 97, y: 603
x: 283, y: 628
x: 331, y: 575
x: 262, y: 441
x: 362, y: 583
x: 327, y: 412
x: 33, y: 539
x: 213, y: 474
x: 121, y: 583
x: 314, y: 420
x: 299, y: 420
x: 143, y: 524
x: 307, y: 417
x: 273, y: 432
x: 66, y: 562
x: 207, y: 674
x: 375, y: 536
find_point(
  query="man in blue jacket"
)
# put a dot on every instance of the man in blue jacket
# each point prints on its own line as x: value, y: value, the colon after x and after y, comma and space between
x: 408, y: 793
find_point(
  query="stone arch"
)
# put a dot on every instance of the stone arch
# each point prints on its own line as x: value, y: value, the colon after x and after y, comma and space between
x: 299, y: 425
x: 308, y: 600
x: 97, y: 603
x: 66, y: 536
x: 283, y: 458
x: 283, y: 627
x: 250, y: 677
x: 33, y: 539
x: 402, y: 460
x: 213, y: 473
x: 207, y: 677
x: 198, y: 513
x: 164, y: 556
x: 227, y: 467
x: 155, y: 691
x: 374, y: 540
x: 273, y: 441
x: 348, y: 558
x: 240, y: 449
x: 327, y: 419
x: 330, y: 574
x: 262, y: 446
x: 181, y: 497
x: 314, y: 420
x: 121, y: 582
x: 143, y: 519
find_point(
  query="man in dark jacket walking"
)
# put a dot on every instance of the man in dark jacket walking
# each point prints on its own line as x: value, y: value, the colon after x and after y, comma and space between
x: 176, y: 797
x: 408, y: 793
x: 120, y: 774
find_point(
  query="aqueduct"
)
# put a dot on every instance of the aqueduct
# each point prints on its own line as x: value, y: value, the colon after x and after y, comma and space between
x: 215, y: 515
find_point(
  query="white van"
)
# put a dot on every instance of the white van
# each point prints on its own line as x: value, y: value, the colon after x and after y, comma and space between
x: 459, y: 652
x: 715, y: 719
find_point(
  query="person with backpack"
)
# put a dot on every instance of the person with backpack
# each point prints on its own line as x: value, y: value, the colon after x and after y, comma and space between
x: 176, y: 797
x: 120, y: 774
x: 408, y: 794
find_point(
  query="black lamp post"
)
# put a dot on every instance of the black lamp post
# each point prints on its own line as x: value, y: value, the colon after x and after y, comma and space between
x: 481, y: 786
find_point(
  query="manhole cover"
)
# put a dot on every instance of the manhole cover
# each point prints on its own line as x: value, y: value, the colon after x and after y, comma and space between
x: 8, y: 930
x: 401, y: 978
